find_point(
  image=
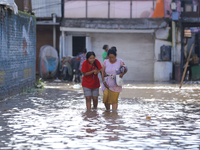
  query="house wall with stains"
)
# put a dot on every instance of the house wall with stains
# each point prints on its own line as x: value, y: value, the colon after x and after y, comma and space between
x: 17, y: 52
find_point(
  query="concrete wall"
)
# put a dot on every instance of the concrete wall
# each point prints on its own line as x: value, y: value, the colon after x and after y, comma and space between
x: 162, y: 37
x: 163, y: 71
x: 17, y: 52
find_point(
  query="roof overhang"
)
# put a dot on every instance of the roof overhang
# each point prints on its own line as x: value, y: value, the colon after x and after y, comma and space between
x: 136, y: 25
x: 90, y: 30
x: 47, y: 23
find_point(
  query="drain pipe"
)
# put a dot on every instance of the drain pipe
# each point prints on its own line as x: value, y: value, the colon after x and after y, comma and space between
x: 54, y: 30
x: 174, y: 41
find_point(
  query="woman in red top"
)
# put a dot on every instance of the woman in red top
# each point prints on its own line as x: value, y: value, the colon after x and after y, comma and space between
x: 90, y: 81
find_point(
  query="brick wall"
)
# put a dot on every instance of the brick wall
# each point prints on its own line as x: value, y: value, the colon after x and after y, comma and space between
x: 17, y: 52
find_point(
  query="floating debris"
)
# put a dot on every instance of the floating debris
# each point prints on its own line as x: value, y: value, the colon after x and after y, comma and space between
x: 148, y: 117
x: 77, y: 86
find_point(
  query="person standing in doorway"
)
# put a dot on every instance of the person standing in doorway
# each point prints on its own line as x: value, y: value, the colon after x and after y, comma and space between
x: 82, y: 58
x: 90, y: 81
x: 104, y: 54
x: 111, y: 91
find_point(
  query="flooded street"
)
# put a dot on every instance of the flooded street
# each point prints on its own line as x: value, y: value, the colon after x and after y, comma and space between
x: 149, y: 116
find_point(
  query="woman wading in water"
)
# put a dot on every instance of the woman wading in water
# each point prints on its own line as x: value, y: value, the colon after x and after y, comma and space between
x: 111, y: 91
x: 90, y: 81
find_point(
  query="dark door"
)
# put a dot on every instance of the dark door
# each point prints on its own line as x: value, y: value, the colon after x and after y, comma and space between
x: 78, y: 44
x: 197, y: 44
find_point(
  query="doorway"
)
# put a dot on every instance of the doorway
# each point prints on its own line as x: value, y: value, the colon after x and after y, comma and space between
x: 78, y: 43
x: 193, y: 69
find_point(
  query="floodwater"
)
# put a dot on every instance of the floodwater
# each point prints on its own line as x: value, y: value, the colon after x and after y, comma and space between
x: 150, y: 116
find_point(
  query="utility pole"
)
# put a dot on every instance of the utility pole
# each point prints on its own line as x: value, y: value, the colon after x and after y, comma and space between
x: 173, y: 40
x: 174, y: 13
x: 54, y: 30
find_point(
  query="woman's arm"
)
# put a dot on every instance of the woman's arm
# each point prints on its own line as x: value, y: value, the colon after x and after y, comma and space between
x: 103, y: 75
x: 122, y: 74
x: 90, y: 72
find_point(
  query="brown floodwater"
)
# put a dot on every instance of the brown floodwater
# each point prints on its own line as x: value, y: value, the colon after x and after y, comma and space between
x: 150, y: 116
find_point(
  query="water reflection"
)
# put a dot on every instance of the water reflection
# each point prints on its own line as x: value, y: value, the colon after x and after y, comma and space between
x: 91, y: 119
x: 113, y: 125
x: 58, y: 119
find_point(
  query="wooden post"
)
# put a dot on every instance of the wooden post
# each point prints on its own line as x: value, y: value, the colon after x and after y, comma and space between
x: 186, y: 65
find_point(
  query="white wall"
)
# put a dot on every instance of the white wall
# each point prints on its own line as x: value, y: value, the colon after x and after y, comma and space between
x: 141, y: 9
x: 135, y: 49
x: 75, y: 9
x: 162, y: 34
x: 99, y: 9
x: 119, y: 9
x: 163, y: 71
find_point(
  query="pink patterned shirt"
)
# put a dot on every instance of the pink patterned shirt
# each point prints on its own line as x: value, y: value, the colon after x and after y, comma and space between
x: 110, y: 69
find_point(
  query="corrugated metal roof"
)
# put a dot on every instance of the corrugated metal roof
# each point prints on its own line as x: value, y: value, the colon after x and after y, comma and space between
x: 44, y: 8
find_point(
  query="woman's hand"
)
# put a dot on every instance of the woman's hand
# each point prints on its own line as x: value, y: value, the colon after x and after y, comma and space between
x: 96, y: 71
x: 105, y: 84
x: 121, y: 75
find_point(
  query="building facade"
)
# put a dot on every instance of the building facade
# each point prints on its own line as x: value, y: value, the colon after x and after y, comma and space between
x: 133, y: 26
x: 140, y: 29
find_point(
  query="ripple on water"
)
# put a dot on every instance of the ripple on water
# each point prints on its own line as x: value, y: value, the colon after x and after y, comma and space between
x: 63, y: 123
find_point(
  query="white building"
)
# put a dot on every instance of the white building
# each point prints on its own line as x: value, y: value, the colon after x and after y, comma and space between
x: 122, y: 23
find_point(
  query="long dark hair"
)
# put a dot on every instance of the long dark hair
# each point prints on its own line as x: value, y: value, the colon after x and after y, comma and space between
x: 90, y: 54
